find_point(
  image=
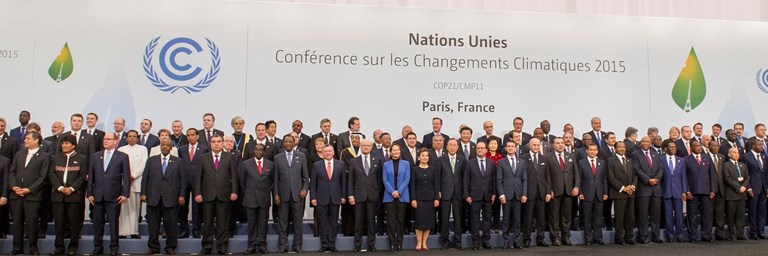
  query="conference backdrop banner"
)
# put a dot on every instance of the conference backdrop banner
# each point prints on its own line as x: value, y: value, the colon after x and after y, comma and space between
x: 167, y: 60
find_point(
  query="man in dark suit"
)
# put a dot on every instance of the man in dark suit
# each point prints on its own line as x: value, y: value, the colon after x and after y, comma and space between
x: 701, y: 190
x: 270, y: 150
x: 760, y: 137
x: 738, y: 128
x: 598, y: 136
x: 162, y: 188
x: 146, y: 138
x: 539, y: 194
x: 327, y: 189
x: 593, y: 190
x: 353, y: 124
x: 565, y: 178
x: 216, y: 187
x: 26, y: 178
x: 525, y: 137
x: 480, y: 193
x: 402, y: 142
x: 716, y: 129
x: 364, y: 193
x: 607, y: 149
x: 674, y: 187
x: 8, y: 148
x: 304, y: 141
x: 21, y: 132
x: 730, y: 142
x: 408, y: 153
x: 568, y: 128
x: 208, y: 131
x: 683, y: 144
x: 437, y: 150
x: 437, y: 125
x: 178, y: 136
x: 256, y: 176
x: 57, y: 128
x: 271, y: 134
x: 736, y: 191
x: 622, y: 179
x: 546, y: 147
x: 648, y: 167
x: 98, y: 135
x: 290, y: 188
x: 758, y: 182
x: 109, y: 185
x: 718, y: 203
x: 67, y: 176
x: 119, y: 126
x: 85, y: 142
x: 546, y: 127
x: 630, y: 140
x: 467, y: 148
x: 330, y: 138
x: 452, y: 191
x: 512, y: 187
x: 383, y: 152
x: 488, y: 128
x: 190, y: 154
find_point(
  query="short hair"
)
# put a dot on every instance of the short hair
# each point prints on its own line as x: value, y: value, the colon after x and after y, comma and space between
x: 215, y: 135
x: 608, y: 134
x: 518, y: 118
x: 25, y: 111
x: 617, y: 143
x: 593, y: 145
x: 758, y: 125
x: 259, y: 145
x: 465, y: 128
x: 147, y: 119
x: 384, y: 133
x: 288, y: 136
x: 653, y: 129
x: 437, y: 118
x: 194, y: 130
x: 321, y: 138
x: 262, y: 124
x: 210, y: 114
x: 699, y: 123
x: 420, y: 151
x: 163, y: 131
x: 94, y: 115
x: 508, y: 142
x: 739, y: 124
x: 269, y: 123
x: 237, y: 119
x: 36, y: 136
x: 33, y: 125
x: 351, y: 121
x: 324, y: 120
x: 409, y: 134
x: 630, y: 131
x: 718, y: 126
x: 133, y: 131
x: 76, y: 115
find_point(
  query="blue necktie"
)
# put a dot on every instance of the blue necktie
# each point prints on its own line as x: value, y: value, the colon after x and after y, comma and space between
x: 290, y: 157
x: 107, y: 158
x: 165, y: 164
x: 671, y: 168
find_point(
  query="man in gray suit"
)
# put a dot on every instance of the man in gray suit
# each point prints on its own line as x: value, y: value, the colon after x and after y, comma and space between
x: 215, y: 186
x: 565, y: 181
x: 512, y: 186
x: 289, y: 189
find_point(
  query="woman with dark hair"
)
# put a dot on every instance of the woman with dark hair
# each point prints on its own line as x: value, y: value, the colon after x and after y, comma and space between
x: 424, y: 186
x: 396, y: 176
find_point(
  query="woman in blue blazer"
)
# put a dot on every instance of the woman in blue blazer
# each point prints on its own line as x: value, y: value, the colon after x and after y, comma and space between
x: 397, y: 174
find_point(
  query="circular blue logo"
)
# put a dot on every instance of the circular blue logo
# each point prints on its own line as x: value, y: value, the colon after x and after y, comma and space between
x: 762, y: 80
x: 176, y: 70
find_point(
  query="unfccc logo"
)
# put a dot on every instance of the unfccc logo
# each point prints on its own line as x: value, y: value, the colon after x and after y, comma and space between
x: 175, y: 59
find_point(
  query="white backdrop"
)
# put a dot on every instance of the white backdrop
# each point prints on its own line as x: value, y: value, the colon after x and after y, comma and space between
x: 109, y: 40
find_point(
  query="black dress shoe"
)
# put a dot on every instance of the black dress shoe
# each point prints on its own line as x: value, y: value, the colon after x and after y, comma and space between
x: 252, y: 251
x: 114, y: 253
x: 557, y: 242
x: 475, y: 247
x: 97, y: 252
x: 195, y: 235
x: 222, y: 252
x: 588, y: 243
x: 357, y: 249
x: 487, y: 246
x: 3, y: 236
x: 517, y: 246
x: 122, y: 237
x: 505, y: 246
x: 630, y: 242
x: 567, y: 241
x: 762, y: 236
x: 184, y: 234
x: 204, y: 252
x: 444, y: 247
x: 391, y: 249
x: 170, y: 251
x: 135, y: 237
x: 371, y: 248
x: 34, y: 252
x: 600, y: 243
x: 542, y: 244
x: 151, y: 252
x: 333, y: 249
x: 72, y: 253
x: 618, y: 242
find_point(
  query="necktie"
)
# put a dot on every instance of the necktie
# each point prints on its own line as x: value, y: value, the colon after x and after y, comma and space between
x: 366, y: 166
x: 77, y: 138
x: 765, y: 149
x: 191, y: 153
x: 327, y: 140
x: 536, y: 159
x: 165, y: 164
x: 90, y: 132
x: 738, y: 169
x: 438, y: 153
x: 624, y: 161
x: 698, y: 160
x: 514, y: 165
x: 258, y: 166
x: 208, y: 138
x: 141, y: 142
x: 648, y: 156
x: 613, y: 152
x: 562, y: 163
x: 687, y: 147
x: 216, y: 161
x: 66, y: 170
x: 328, y: 169
x: 453, y: 164
x: 24, y: 132
x: 599, y: 142
x: 760, y: 161
x: 594, y: 168
x: 466, y: 151
x: 107, y: 158
x: 386, y: 154
x: 671, y: 165
x: 413, y: 155
x: 482, y: 166
x: 290, y: 157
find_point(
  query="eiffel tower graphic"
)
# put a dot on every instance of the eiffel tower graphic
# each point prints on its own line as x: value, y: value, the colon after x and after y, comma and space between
x: 687, y: 107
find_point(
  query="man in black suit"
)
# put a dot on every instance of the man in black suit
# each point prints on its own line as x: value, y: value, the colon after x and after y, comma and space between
x: 623, y: 180
x: 718, y: 203
x: 162, y: 188
x: 383, y: 152
x: 649, y: 169
x: 525, y: 137
x: 716, y: 129
x: 304, y: 141
x: 760, y: 137
x: 20, y: 133
x: 539, y: 194
x: 568, y: 128
x: 290, y: 188
x: 736, y: 191
x: 26, y: 178
x: 408, y: 152
x: 190, y: 154
x: 451, y: 194
x: 684, y: 143
x: 402, y: 142
x: 608, y: 150
x: 208, y: 131
x: 546, y: 147
x: 330, y: 138
x: 701, y: 190
x: 85, y: 142
x: 598, y: 136
x: 437, y: 125
x: 256, y: 176
x: 467, y: 148
x: 364, y: 193
x: 730, y: 142
x: 109, y: 185
x: 146, y: 138
x: 512, y: 186
x: 270, y: 149
x: 480, y: 193
x: 327, y: 189
x: 67, y: 176
x: 216, y: 187
x: 565, y: 180
x: 546, y: 127
x: 488, y: 128
x: 8, y: 148
x: 178, y: 137
x: 630, y: 140
x: 120, y: 131
x: 698, y: 132
x: 593, y: 191
x: 271, y: 134
x: 437, y: 150
x: 91, y: 119
x: 353, y: 124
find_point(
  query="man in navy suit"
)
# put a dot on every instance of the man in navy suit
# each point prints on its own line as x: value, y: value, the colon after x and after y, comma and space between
x: 190, y: 154
x: 327, y: 190
x: 598, y: 136
x: 452, y: 191
x: 290, y: 188
x: 701, y: 190
x: 325, y: 132
x: 85, y: 143
x: 593, y: 191
x: 512, y: 185
x: 467, y: 148
x: 146, y: 138
x: 119, y: 126
x: 109, y: 185
x: 539, y: 193
x: 758, y: 181
x: 730, y: 142
x: 208, y: 131
x: 437, y: 125
x: 740, y: 139
x: 26, y: 181
x: 674, y: 186
x: 91, y: 119
x: 648, y: 165
x: 162, y: 188
x: 480, y: 193
x: 256, y: 176
x: 363, y: 190
x: 525, y: 137
x: 21, y: 132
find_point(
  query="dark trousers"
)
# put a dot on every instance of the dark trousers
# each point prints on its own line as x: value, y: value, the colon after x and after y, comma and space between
x: 592, y: 211
x: 197, y: 212
x: 381, y: 227
x: 110, y: 210
x: 496, y: 215
x: 718, y: 215
x: 328, y: 218
x: 348, y: 220
x: 608, y: 214
x: 395, y: 225
x: 296, y: 210
x: 649, y: 208
x: 624, y: 219
x: 481, y: 217
x: 455, y: 205
x: 736, y: 217
x: 757, y: 213
x: 257, y: 227
x: 365, y: 220
x: 218, y: 210
x: 510, y: 224
x: 25, y: 219
x: 45, y: 210
x: 534, y: 210
x: 576, y: 224
x: 68, y: 219
x: 4, y: 219
x: 560, y: 217
x: 166, y: 215
x: 673, y: 217
x: 698, y: 218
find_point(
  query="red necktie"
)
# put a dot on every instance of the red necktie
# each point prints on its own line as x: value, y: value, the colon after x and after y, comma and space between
x: 191, y: 153
x: 562, y: 163
x: 328, y: 169
x: 258, y: 164
x: 648, y: 156
x: 594, y: 169
x: 698, y: 160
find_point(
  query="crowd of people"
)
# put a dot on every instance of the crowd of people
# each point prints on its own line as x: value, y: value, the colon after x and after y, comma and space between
x: 516, y: 184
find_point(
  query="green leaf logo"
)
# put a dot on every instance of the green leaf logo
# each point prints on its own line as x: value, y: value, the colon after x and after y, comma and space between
x: 62, y: 66
x: 690, y: 88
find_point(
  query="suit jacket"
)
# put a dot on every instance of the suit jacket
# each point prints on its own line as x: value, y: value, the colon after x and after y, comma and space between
x: 605, y: 152
x: 121, y: 137
x: 332, y: 140
x: 427, y: 140
x: 600, y: 142
x: 216, y: 184
x: 472, y: 150
x: 622, y: 175
x: 754, y: 140
x: 758, y: 179
x: 682, y: 151
x: 256, y: 186
x: 452, y: 180
x: 400, y: 184
x: 646, y: 171
x: 719, y: 176
x: 425, y: 183
x: 701, y: 177
x: 179, y: 141
x: 270, y: 150
x: 477, y: 185
x: 433, y: 158
x: 98, y: 138
x: 732, y: 172
x: 726, y: 145
x: 16, y: 133
x: 401, y: 142
x: 107, y: 183
x: 538, y: 176
x: 485, y: 139
x: 31, y: 176
x: 85, y: 144
x: 290, y: 181
x: 9, y: 146
x: 511, y: 181
x: 53, y: 138
x: 191, y: 162
x: 76, y: 168
x: 365, y: 188
x: 379, y: 153
x: 563, y: 180
x: 405, y: 154
x: 5, y: 166
x: 343, y: 141
x: 593, y: 185
x: 203, y: 138
x: 151, y: 141
x: 674, y: 184
x: 631, y: 146
x: 327, y: 191
x: 170, y: 186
